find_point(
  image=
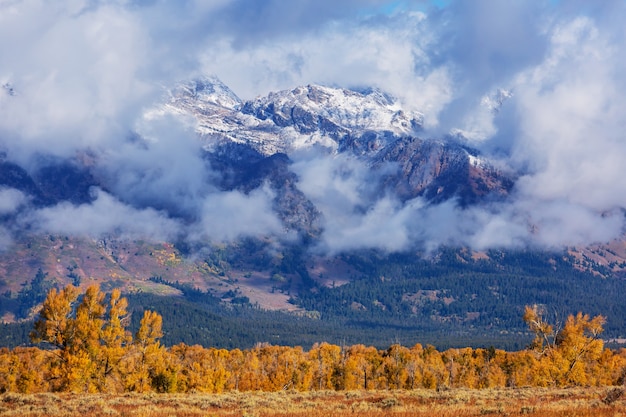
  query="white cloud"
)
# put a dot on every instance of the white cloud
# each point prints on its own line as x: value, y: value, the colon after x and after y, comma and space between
x: 76, y: 73
x: 103, y: 217
x: 369, y: 53
x: 231, y: 215
x: 11, y: 200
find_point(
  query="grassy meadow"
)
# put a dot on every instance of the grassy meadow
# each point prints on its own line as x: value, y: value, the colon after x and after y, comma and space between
x: 545, y: 402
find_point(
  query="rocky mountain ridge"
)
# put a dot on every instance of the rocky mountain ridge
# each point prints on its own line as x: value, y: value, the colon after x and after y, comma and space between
x: 285, y: 121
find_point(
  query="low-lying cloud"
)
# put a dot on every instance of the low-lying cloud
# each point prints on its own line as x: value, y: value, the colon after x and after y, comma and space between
x: 104, y: 216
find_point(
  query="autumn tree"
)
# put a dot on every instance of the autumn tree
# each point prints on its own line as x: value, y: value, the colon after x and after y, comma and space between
x: 23, y: 369
x: 56, y: 325
x: 325, y: 359
x: 569, y: 353
x: 146, y: 366
x: 545, y: 333
x: 362, y: 364
x: 92, y: 351
x: 580, y: 347
x: 115, y: 338
x: 395, y: 361
x: 89, y: 337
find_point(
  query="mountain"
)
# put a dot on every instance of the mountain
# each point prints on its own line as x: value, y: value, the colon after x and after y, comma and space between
x: 366, y: 123
x: 270, y: 165
x: 285, y: 121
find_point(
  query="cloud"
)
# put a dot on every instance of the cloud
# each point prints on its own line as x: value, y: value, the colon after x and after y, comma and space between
x: 388, y: 53
x: 76, y: 74
x: 11, y: 200
x: 104, y: 216
x: 231, y: 215
x: 6, y: 238
x: 161, y: 167
x: 346, y: 192
x: 572, y: 119
x: 249, y: 22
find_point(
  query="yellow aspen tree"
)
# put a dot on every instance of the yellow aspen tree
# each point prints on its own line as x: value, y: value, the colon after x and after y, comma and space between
x: 33, y: 370
x: 84, y: 372
x: 114, y: 338
x: 415, y: 367
x: 522, y: 369
x: 145, y: 366
x: 324, y: 358
x: 55, y: 323
x: 287, y: 362
x: 497, y: 376
x: 251, y: 379
x: 608, y: 370
x: 215, y: 364
x: 305, y: 372
x: 195, y: 368
x: 185, y: 358
x: 75, y: 330
x: 236, y: 363
x: 295, y: 367
x: 359, y: 366
x: 277, y: 367
x: 489, y: 366
x: 435, y: 373
x: 268, y: 363
x: 395, y: 362
x: 466, y: 374
x: 56, y: 326
x: 545, y: 334
x: 580, y: 347
x: 9, y: 370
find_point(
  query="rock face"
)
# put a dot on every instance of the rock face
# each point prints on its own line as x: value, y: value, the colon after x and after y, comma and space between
x: 440, y: 171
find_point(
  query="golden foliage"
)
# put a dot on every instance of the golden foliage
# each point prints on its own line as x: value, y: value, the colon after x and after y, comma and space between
x: 93, y: 352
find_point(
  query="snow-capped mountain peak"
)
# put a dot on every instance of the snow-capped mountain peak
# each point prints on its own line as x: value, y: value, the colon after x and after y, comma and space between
x: 205, y: 92
x: 348, y: 109
x: 336, y: 118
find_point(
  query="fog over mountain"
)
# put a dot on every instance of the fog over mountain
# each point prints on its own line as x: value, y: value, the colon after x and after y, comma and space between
x: 535, y: 88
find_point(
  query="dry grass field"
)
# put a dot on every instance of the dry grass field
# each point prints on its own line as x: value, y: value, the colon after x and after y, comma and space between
x: 592, y: 402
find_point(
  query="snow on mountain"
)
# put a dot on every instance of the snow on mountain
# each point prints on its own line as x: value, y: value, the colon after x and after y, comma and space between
x: 494, y: 101
x: 203, y: 94
x: 284, y: 121
x: 316, y: 108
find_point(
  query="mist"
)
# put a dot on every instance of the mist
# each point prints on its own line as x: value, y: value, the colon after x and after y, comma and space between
x: 83, y: 78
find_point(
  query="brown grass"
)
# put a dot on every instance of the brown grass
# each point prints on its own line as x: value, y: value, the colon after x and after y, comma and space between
x: 580, y: 402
